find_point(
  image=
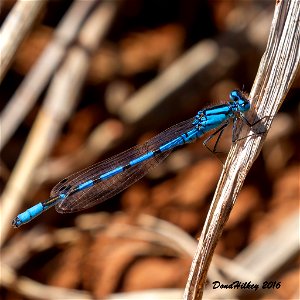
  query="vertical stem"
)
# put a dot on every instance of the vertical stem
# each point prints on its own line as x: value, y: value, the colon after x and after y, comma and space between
x: 277, y: 70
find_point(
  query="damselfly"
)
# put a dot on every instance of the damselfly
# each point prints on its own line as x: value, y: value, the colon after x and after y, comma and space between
x: 103, y: 180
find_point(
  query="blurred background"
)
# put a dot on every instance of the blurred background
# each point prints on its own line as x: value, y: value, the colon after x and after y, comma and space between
x: 93, y: 78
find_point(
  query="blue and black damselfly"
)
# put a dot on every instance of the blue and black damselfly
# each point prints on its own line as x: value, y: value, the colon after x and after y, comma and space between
x: 103, y: 180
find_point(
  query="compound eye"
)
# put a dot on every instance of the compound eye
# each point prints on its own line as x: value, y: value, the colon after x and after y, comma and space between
x: 234, y: 98
x: 234, y: 95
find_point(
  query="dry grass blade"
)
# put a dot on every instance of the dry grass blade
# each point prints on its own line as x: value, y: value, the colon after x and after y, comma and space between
x: 15, y: 29
x: 277, y: 70
x: 38, y: 77
x: 59, y: 104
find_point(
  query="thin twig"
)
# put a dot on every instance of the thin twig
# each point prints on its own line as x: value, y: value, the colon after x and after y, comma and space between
x: 276, y: 73
x: 15, y: 28
x: 58, y: 105
x: 38, y: 77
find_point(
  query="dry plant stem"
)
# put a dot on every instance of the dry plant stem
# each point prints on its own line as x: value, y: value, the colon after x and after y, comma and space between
x: 277, y: 70
x: 15, y: 28
x: 34, y: 290
x: 58, y: 105
x: 38, y: 77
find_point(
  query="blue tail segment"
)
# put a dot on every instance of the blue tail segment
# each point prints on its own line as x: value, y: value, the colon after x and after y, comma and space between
x: 35, y: 210
x: 28, y: 215
x: 103, y: 180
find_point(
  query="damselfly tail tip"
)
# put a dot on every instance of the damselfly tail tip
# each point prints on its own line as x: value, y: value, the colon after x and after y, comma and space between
x: 16, y: 222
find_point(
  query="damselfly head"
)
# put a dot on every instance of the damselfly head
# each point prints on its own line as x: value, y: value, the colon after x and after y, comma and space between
x: 240, y: 100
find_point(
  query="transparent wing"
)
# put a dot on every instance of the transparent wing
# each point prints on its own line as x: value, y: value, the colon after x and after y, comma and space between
x: 106, y: 189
